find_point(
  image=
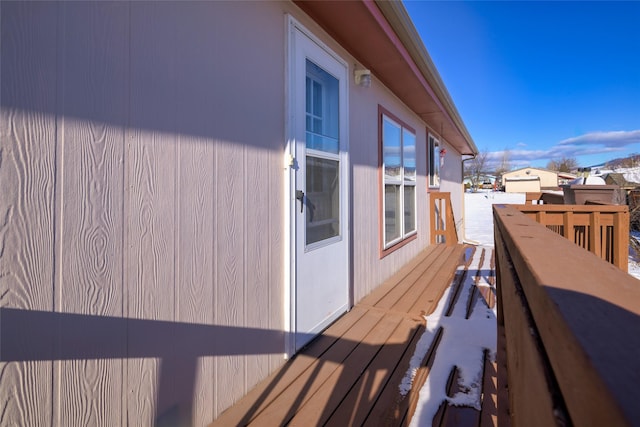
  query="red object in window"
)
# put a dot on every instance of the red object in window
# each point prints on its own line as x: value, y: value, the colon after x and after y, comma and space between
x: 443, y: 152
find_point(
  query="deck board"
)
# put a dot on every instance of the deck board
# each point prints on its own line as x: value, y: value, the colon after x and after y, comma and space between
x: 392, y: 290
x: 393, y: 359
x: 350, y: 374
x: 423, y: 281
x: 430, y: 295
x: 284, y: 407
x: 329, y: 397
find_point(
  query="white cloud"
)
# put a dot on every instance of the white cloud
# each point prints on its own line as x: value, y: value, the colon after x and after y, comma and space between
x: 608, y: 139
x: 592, y: 143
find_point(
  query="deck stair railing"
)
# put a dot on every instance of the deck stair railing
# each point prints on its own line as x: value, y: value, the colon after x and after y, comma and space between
x: 570, y: 325
x: 443, y: 226
x: 601, y: 229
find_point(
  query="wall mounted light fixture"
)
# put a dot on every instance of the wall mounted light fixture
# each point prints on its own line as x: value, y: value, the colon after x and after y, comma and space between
x: 363, y: 77
x: 443, y: 152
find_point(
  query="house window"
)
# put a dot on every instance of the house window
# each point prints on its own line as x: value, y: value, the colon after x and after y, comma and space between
x: 398, y: 167
x: 434, y: 162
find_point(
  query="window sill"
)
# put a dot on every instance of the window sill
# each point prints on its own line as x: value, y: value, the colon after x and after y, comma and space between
x: 396, y: 246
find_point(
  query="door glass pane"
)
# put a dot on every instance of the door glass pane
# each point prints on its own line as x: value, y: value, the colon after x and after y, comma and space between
x: 392, y: 155
x: 322, y: 201
x: 391, y: 210
x: 322, y: 109
x: 409, y: 208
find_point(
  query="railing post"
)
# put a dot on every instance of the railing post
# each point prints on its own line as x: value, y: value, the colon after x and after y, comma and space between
x: 621, y: 240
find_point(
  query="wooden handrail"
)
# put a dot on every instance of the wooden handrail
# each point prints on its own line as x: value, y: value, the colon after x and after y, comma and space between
x: 442, y: 222
x: 571, y: 323
x: 601, y: 229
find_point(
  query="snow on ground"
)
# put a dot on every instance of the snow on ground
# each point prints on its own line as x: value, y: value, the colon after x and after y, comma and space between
x: 632, y: 175
x: 464, y: 340
x: 634, y: 258
x: 478, y: 214
x: 462, y: 344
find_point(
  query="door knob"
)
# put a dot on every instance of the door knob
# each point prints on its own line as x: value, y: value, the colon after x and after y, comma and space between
x: 300, y: 196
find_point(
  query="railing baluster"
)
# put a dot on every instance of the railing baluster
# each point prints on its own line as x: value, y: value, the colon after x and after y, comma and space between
x: 587, y: 227
x: 567, y: 221
x: 595, y: 245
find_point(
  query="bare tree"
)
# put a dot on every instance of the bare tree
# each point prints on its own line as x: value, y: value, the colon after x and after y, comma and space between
x: 504, y: 165
x: 475, y: 168
x: 565, y: 164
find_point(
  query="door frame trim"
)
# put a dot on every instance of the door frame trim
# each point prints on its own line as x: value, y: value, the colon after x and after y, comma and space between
x: 290, y: 165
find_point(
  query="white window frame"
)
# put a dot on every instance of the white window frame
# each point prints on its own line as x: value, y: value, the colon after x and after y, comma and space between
x: 398, y: 181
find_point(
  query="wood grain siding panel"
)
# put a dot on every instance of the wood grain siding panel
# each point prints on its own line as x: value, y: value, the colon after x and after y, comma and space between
x: 150, y: 211
x: 137, y: 182
x: 90, y: 251
x: 27, y: 186
x: 193, y: 117
x: 256, y: 258
x: 150, y: 269
x: 363, y: 144
x: 365, y: 231
x: 231, y: 292
x: 249, y: 115
x: 194, y: 275
x: 275, y: 228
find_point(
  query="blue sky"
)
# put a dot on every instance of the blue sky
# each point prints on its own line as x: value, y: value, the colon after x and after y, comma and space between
x: 540, y: 79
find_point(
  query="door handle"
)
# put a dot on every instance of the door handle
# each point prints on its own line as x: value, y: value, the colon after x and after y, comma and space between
x: 300, y: 196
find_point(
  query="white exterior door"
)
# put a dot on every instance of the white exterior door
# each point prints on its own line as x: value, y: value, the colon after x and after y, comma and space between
x: 319, y: 214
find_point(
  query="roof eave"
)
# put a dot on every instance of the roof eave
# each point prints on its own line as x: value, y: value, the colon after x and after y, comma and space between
x: 381, y: 36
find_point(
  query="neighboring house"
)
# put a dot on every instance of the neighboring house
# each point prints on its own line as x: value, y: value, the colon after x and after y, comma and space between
x: 565, y: 177
x: 618, y: 179
x: 529, y: 180
x: 191, y: 191
x: 522, y: 184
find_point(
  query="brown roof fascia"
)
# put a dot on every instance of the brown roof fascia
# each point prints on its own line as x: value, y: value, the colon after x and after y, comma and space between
x: 381, y: 36
x: 399, y: 19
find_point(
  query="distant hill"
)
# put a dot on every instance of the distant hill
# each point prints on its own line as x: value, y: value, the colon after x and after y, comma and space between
x: 624, y: 162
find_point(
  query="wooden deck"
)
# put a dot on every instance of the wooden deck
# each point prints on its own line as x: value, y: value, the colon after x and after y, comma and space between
x: 350, y: 375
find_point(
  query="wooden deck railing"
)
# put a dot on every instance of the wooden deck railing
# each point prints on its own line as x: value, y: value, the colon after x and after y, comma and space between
x: 571, y: 323
x: 443, y: 225
x: 601, y: 229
